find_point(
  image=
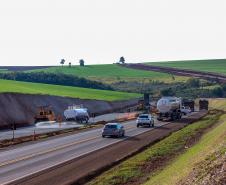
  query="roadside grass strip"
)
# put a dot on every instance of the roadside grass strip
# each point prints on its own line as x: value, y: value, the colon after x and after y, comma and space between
x: 135, y: 168
x: 180, y: 168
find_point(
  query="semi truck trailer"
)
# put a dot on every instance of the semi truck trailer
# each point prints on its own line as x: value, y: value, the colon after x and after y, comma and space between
x: 169, y: 108
x: 76, y: 113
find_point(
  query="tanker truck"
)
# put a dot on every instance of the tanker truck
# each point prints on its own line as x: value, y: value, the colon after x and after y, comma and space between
x: 169, y: 108
x: 76, y: 113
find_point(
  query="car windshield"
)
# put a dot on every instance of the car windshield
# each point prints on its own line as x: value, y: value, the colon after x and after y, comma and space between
x: 111, y: 126
x: 143, y: 116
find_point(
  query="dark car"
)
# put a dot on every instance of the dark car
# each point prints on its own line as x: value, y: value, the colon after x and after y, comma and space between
x: 113, y: 130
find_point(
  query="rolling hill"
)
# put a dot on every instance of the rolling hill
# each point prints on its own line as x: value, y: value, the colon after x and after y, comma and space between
x: 215, y: 66
x: 109, y: 73
x: 66, y: 91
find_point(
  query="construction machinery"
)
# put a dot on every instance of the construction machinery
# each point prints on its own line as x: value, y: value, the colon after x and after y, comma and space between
x: 189, y: 103
x: 44, y: 113
x: 203, y: 104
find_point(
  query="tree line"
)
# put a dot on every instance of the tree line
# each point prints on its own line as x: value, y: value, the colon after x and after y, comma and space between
x: 56, y: 79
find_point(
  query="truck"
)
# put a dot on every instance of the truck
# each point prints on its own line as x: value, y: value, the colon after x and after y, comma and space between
x: 76, y: 113
x: 169, y: 108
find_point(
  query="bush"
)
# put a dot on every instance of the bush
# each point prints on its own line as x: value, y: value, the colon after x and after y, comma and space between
x: 193, y: 82
x: 167, y: 92
x: 56, y: 79
x: 218, y: 92
x: 224, y: 87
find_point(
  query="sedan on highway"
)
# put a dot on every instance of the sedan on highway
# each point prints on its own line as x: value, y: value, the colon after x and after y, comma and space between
x: 113, y: 130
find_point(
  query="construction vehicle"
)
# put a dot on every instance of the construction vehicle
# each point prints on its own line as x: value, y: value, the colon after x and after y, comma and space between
x: 189, y: 103
x: 203, y: 104
x: 44, y: 113
x: 169, y: 108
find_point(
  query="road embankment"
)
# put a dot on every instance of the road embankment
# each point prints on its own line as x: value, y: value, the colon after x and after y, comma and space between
x: 142, y: 166
x: 21, y: 108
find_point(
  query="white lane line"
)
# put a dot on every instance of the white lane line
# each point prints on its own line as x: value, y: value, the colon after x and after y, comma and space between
x: 74, y: 157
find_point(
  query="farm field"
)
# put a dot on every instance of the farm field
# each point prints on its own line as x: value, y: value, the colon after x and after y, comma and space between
x: 109, y: 73
x: 216, y: 66
x: 67, y: 91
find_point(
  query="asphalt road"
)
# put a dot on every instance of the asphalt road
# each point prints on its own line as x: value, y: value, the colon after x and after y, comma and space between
x: 47, y: 127
x: 27, y: 160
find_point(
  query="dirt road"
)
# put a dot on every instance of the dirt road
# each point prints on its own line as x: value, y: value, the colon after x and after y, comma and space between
x: 180, y: 72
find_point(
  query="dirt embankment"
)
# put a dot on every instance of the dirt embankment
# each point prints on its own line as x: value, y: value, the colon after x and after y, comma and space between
x: 21, y: 108
x: 180, y: 72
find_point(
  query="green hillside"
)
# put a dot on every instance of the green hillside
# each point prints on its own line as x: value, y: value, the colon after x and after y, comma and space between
x: 57, y: 90
x: 216, y: 66
x: 109, y: 73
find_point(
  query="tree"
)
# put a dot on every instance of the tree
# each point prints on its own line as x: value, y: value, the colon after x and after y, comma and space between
x: 224, y: 87
x: 168, y: 92
x: 69, y: 64
x: 81, y: 62
x: 62, y: 62
x: 218, y: 92
x: 193, y: 82
x: 122, y: 60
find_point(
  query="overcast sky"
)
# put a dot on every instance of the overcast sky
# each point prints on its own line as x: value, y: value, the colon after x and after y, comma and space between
x: 41, y: 32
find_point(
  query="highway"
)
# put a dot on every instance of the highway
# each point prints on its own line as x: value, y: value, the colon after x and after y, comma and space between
x: 26, y: 160
x: 50, y: 127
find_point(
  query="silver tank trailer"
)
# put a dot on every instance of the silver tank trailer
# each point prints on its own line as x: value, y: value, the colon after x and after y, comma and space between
x: 169, y: 107
x: 76, y: 113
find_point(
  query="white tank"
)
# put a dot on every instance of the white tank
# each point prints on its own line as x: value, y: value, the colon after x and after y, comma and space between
x: 167, y: 104
x: 74, y: 112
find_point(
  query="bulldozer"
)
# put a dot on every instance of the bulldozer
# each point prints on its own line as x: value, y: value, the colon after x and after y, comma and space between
x: 44, y: 113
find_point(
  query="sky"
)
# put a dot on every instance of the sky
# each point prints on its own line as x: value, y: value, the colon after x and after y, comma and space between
x: 42, y: 32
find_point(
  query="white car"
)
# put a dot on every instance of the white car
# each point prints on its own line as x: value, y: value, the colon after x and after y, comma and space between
x: 145, y: 120
x: 185, y: 110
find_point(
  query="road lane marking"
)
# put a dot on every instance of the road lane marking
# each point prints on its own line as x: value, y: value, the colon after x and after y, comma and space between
x: 74, y: 157
x: 51, y: 150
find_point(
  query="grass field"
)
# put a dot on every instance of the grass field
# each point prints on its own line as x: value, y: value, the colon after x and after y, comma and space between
x: 132, y: 168
x: 182, y: 166
x: 217, y: 66
x: 67, y: 91
x: 217, y: 103
x: 110, y: 73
